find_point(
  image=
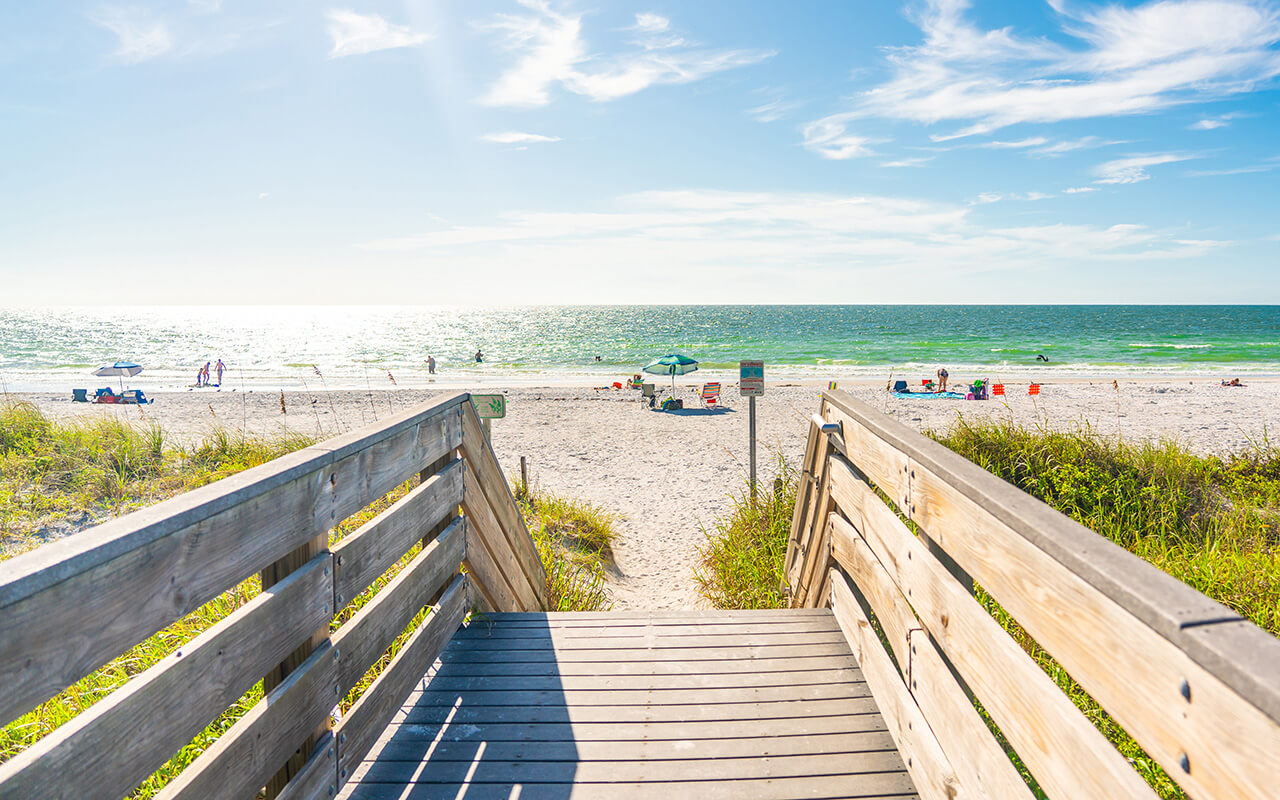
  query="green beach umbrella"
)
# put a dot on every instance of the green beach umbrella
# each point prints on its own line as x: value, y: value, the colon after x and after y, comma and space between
x: 673, y: 365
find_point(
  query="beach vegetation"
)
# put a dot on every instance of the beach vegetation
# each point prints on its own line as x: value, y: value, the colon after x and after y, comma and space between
x: 575, y: 542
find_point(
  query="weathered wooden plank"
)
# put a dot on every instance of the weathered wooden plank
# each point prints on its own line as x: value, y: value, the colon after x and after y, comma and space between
x: 487, y: 629
x: 364, y: 723
x: 746, y: 664
x: 1040, y: 722
x: 482, y: 460
x: 724, y: 653
x: 679, y: 731
x: 875, y: 786
x: 978, y: 759
x: 364, y: 555
x: 653, y: 641
x: 318, y: 779
x: 403, y: 748
x: 645, y: 697
x: 246, y: 756
x: 796, y: 544
x: 491, y: 770
x: 561, y: 714
x: 485, y: 574
x: 931, y: 771
x: 76, y: 603
x: 813, y: 554
x: 657, y: 683
x: 488, y: 529
x: 367, y: 635
x: 157, y: 712
x: 683, y: 617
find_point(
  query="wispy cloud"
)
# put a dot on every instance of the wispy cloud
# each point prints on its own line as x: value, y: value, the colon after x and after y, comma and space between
x: 1133, y: 169
x: 140, y: 36
x: 651, y: 23
x: 1124, y: 61
x: 355, y: 34
x: 1266, y: 166
x: 518, y: 137
x: 775, y: 109
x: 830, y: 139
x: 1079, y: 189
x: 550, y: 51
x: 1034, y: 141
x: 693, y: 232
x: 1213, y: 123
x: 915, y: 161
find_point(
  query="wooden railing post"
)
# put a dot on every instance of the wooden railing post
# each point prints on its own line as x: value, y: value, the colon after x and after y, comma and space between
x: 270, y: 576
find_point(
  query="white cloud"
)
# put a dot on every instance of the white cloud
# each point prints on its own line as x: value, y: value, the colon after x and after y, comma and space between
x: 263, y: 195
x: 1079, y: 189
x: 518, y: 137
x: 915, y: 161
x: 736, y: 235
x: 829, y: 139
x: 986, y: 198
x: 1125, y: 61
x: 651, y: 23
x: 1069, y: 145
x: 550, y: 52
x: 355, y: 34
x: 1034, y: 141
x: 1036, y: 196
x: 1133, y: 169
x: 1213, y: 123
x: 773, y: 110
x: 141, y: 36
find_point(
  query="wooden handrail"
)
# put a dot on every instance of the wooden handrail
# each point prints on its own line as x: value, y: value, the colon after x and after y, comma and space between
x: 71, y: 606
x: 1194, y: 684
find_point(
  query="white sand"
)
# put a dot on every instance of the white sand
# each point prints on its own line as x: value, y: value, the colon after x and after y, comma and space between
x: 669, y: 475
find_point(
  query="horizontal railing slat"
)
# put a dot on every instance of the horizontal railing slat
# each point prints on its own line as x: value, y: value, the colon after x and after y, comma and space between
x: 244, y: 758
x: 1080, y: 597
x: 485, y: 527
x: 931, y: 771
x: 366, y: 636
x: 1044, y: 727
x: 488, y: 473
x: 365, y: 722
x: 381, y: 542
x: 964, y: 737
x: 111, y: 747
x: 72, y: 605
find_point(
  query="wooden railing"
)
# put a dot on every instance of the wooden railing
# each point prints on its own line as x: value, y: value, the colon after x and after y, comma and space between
x: 70, y: 607
x: 894, y: 531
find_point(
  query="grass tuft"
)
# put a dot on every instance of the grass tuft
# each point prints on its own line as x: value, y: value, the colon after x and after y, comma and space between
x: 575, y: 542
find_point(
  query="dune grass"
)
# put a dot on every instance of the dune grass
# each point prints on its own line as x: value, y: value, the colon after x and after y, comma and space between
x: 1212, y: 522
x: 575, y: 542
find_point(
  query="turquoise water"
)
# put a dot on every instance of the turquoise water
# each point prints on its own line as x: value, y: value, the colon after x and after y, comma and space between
x: 357, y: 346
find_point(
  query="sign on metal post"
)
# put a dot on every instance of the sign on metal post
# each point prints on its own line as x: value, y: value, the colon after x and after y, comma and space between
x: 751, y: 385
x: 751, y: 378
x: 489, y: 407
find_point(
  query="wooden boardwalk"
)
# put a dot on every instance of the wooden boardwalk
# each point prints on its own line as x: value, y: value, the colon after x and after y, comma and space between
x: 733, y: 705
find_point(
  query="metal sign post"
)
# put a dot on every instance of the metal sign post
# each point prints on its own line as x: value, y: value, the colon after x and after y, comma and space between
x: 751, y: 386
x: 488, y: 407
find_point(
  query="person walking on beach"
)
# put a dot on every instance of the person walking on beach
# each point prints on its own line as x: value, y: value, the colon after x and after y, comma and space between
x: 942, y: 379
x: 204, y: 374
x: 221, y: 368
x: 431, y: 365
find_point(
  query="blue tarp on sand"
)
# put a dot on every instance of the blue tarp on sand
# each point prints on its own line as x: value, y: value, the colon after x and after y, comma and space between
x: 929, y: 395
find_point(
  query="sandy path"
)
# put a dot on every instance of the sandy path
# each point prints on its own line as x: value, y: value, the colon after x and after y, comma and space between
x: 668, y: 475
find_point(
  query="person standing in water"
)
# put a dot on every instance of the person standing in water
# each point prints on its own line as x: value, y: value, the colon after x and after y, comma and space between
x: 221, y: 368
x: 479, y: 357
x: 431, y: 365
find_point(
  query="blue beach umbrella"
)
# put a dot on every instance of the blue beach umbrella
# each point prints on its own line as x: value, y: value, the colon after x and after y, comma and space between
x: 122, y: 369
x: 673, y: 365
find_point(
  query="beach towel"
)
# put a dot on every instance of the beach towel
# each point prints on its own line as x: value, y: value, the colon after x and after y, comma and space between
x: 929, y: 395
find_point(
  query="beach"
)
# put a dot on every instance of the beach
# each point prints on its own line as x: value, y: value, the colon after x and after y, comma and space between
x: 669, y: 476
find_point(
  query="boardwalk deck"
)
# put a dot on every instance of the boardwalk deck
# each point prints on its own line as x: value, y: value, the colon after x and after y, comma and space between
x: 559, y: 706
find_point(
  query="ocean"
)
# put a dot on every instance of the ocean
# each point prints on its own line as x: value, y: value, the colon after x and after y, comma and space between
x: 354, y: 347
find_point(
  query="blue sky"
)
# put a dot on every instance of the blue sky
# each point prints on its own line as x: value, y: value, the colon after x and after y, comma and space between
x: 530, y: 151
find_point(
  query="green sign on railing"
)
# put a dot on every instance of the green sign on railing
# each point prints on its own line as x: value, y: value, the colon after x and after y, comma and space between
x: 490, y: 406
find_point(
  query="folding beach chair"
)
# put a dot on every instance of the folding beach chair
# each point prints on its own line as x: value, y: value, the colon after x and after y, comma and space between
x: 710, y: 395
x: 1033, y: 389
x: 997, y: 390
x: 647, y: 393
